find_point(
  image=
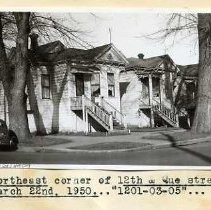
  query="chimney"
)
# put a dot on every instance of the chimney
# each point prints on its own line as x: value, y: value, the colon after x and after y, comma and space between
x: 34, y: 42
x: 141, y: 56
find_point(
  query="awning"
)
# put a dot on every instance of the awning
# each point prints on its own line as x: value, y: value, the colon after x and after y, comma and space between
x: 84, y: 69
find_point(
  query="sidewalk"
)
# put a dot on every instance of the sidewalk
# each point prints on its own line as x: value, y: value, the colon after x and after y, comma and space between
x: 136, y: 141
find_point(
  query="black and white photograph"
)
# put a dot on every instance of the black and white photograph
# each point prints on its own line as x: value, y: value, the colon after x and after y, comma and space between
x: 105, y: 87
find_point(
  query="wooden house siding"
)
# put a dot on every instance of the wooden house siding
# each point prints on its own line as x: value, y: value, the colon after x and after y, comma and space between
x: 46, y: 113
x: 130, y: 100
x: 142, y: 86
x: 55, y: 113
x: 49, y: 103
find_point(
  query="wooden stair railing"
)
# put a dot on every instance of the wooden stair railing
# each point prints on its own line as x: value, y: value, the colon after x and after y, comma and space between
x: 76, y: 102
x: 117, y: 115
x: 101, y: 116
x: 169, y: 115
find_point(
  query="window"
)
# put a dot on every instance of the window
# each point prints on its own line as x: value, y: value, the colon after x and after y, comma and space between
x: 95, y: 85
x: 45, y: 83
x: 111, y: 84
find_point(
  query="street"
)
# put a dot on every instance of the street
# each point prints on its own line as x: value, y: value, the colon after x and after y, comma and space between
x: 192, y: 155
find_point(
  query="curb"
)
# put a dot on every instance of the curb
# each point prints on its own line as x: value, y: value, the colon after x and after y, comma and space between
x: 147, y: 147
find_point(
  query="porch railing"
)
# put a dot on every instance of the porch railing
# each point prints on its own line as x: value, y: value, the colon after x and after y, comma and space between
x: 76, y: 102
x: 144, y: 104
x: 87, y: 106
x: 171, y: 114
x: 97, y: 111
x: 111, y: 109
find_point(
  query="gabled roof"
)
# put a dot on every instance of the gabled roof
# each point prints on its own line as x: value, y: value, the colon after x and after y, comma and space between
x: 90, y: 54
x: 47, y: 53
x: 188, y: 70
x: 97, y: 51
x: 51, y: 47
x: 56, y: 52
x: 149, y: 64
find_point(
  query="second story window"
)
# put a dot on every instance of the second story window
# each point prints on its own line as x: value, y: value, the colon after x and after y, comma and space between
x: 45, y: 84
x: 111, y: 84
x: 95, y: 85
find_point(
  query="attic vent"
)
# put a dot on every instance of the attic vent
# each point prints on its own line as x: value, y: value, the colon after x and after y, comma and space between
x: 110, y: 57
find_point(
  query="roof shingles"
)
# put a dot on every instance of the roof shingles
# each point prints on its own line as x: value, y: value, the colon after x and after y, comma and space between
x: 149, y: 64
x: 44, y: 53
x: 189, y: 70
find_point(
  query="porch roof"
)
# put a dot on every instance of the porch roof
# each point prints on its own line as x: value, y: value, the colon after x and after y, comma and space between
x: 88, y: 69
x: 157, y: 75
x: 154, y: 65
x: 188, y: 70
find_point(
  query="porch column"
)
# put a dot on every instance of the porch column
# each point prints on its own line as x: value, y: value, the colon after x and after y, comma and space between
x: 86, y: 122
x: 111, y: 122
x: 177, y: 120
x: 102, y: 101
x: 83, y: 107
x: 85, y: 114
x: 152, y: 123
x: 161, y: 88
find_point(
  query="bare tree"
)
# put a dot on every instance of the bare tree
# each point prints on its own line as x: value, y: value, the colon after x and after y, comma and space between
x: 51, y: 27
x: 185, y: 24
x: 199, y: 24
x: 16, y: 28
x: 14, y: 80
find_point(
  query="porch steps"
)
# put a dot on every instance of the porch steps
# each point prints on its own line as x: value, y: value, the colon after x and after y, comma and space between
x: 106, y: 116
x: 117, y: 125
x: 168, y: 115
x: 98, y: 119
x: 98, y: 114
x: 117, y: 116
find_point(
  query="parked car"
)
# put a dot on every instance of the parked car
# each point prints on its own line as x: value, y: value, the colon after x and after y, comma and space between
x: 8, y: 138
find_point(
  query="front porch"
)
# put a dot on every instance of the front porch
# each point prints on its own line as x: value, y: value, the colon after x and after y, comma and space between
x: 91, y: 109
x: 100, y: 111
x: 155, y: 101
x: 95, y: 99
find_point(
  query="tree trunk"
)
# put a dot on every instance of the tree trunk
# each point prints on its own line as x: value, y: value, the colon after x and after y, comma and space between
x: 40, y: 127
x: 202, y: 118
x: 14, y: 80
x: 17, y: 98
x: 18, y: 121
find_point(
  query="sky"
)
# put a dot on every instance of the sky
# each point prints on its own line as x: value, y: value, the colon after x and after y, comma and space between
x: 129, y: 33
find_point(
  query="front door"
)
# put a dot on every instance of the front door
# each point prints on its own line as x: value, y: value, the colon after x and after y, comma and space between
x: 79, y: 81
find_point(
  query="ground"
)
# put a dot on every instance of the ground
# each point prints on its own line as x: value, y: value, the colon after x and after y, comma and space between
x: 190, y: 155
x: 161, y: 147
